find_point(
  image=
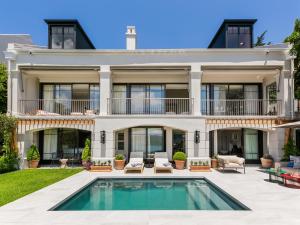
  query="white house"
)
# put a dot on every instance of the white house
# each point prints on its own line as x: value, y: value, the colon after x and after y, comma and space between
x: 224, y: 99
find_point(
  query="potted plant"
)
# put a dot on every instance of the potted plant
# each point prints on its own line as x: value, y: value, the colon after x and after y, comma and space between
x: 266, y: 161
x: 179, y: 158
x: 101, y: 166
x: 33, y: 157
x: 86, y: 154
x: 200, y: 166
x: 214, y: 162
x: 119, y: 162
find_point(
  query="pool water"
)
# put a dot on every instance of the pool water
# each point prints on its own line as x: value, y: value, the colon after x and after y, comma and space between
x: 151, y: 194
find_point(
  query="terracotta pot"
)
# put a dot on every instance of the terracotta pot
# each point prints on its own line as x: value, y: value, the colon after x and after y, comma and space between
x: 119, y: 164
x: 33, y: 163
x: 266, y: 163
x: 179, y: 164
x: 86, y: 164
x: 214, y: 163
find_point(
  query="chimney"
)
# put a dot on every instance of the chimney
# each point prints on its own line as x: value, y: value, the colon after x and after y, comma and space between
x: 130, y: 38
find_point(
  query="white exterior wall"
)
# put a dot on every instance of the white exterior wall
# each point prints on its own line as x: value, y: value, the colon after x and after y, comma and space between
x: 196, y: 60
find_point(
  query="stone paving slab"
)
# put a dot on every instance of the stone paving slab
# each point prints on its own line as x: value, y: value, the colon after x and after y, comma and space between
x: 270, y: 203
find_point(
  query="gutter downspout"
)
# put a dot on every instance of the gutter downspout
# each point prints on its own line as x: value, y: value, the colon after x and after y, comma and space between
x: 9, y: 90
x: 292, y: 90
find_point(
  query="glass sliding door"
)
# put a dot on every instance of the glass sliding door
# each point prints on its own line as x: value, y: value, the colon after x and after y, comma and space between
x: 138, y: 95
x: 251, y: 144
x: 178, y: 141
x: 205, y: 103
x: 63, y: 143
x: 235, y: 103
x: 95, y: 98
x: 234, y: 99
x: 50, y: 144
x: 147, y: 140
x: 63, y: 97
x: 80, y: 94
x: 119, y: 104
x: 252, y: 105
x: 155, y: 141
x: 156, y: 104
x: 138, y: 140
x: 48, y: 96
x: 219, y: 103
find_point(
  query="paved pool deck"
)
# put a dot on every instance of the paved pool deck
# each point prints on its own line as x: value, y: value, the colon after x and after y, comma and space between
x: 270, y: 203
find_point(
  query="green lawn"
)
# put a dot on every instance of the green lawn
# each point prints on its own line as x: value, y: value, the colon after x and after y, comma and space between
x: 17, y: 184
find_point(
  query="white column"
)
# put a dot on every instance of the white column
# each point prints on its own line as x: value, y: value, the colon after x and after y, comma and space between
x: 169, y: 142
x: 15, y: 92
x: 190, y: 144
x: 195, y: 88
x: 105, y: 88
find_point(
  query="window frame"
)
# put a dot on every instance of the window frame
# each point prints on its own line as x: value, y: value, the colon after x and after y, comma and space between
x: 63, y: 35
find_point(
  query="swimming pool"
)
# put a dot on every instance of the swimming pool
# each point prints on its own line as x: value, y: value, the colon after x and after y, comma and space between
x: 150, y: 194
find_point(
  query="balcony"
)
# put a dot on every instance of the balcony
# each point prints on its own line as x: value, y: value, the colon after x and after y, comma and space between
x: 243, y: 107
x: 150, y: 106
x: 58, y: 107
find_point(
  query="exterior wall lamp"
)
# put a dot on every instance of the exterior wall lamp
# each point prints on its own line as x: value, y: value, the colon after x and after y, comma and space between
x: 102, y: 137
x: 197, y: 137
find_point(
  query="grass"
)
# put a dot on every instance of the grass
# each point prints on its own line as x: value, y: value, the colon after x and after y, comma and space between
x: 17, y: 184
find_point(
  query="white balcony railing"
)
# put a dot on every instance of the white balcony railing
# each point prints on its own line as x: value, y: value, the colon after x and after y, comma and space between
x: 57, y: 107
x: 167, y: 106
x: 170, y: 106
x: 244, y: 107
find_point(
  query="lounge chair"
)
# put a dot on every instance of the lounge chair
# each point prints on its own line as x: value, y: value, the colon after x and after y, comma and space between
x: 231, y: 162
x: 162, y: 163
x: 136, y: 163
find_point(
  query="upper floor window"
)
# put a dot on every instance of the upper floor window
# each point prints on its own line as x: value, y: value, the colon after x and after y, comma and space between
x: 238, y: 37
x: 62, y: 37
x: 272, y: 93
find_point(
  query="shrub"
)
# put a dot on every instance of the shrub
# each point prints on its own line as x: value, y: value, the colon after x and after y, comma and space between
x: 290, y: 149
x: 8, y: 163
x: 33, y: 153
x: 119, y: 157
x: 179, y: 156
x: 86, y: 153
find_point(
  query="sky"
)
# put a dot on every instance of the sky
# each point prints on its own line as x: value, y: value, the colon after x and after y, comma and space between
x: 159, y: 23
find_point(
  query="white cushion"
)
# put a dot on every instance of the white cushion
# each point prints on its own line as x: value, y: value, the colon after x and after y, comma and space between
x: 161, y: 162
x: 136, y: 160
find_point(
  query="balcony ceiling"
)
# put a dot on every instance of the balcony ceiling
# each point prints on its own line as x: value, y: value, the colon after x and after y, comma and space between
x: 73, y: 76
x: 243, y: 76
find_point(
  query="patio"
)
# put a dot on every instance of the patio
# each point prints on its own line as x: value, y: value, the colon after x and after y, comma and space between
x: 270, y: 203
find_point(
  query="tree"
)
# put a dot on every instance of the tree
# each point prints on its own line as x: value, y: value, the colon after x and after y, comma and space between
x: 260, y: 40
x: 3, y: 88
x: 294, y: 39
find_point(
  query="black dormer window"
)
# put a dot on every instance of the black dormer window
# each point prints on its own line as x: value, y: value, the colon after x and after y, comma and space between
x: 67, y: 34
x: 62, y: 37
x: 238, y: 37
x: 234, y: 33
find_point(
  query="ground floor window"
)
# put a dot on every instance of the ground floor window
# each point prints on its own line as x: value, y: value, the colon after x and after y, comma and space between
x: 245, y: 143
x: 147, y: 140
x: 178, y: 141
x: 62, y: 143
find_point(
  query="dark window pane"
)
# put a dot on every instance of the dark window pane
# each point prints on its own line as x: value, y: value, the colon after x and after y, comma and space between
x: 95, y: 97
x: 57, y: 37
x: 69, y: 37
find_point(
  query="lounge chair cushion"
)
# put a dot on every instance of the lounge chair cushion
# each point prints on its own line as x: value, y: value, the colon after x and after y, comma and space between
x: 233, y: 165
x: 136, y: 160
x: 161, y: 162
x: 136, y: 164
x: 232, y: 159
